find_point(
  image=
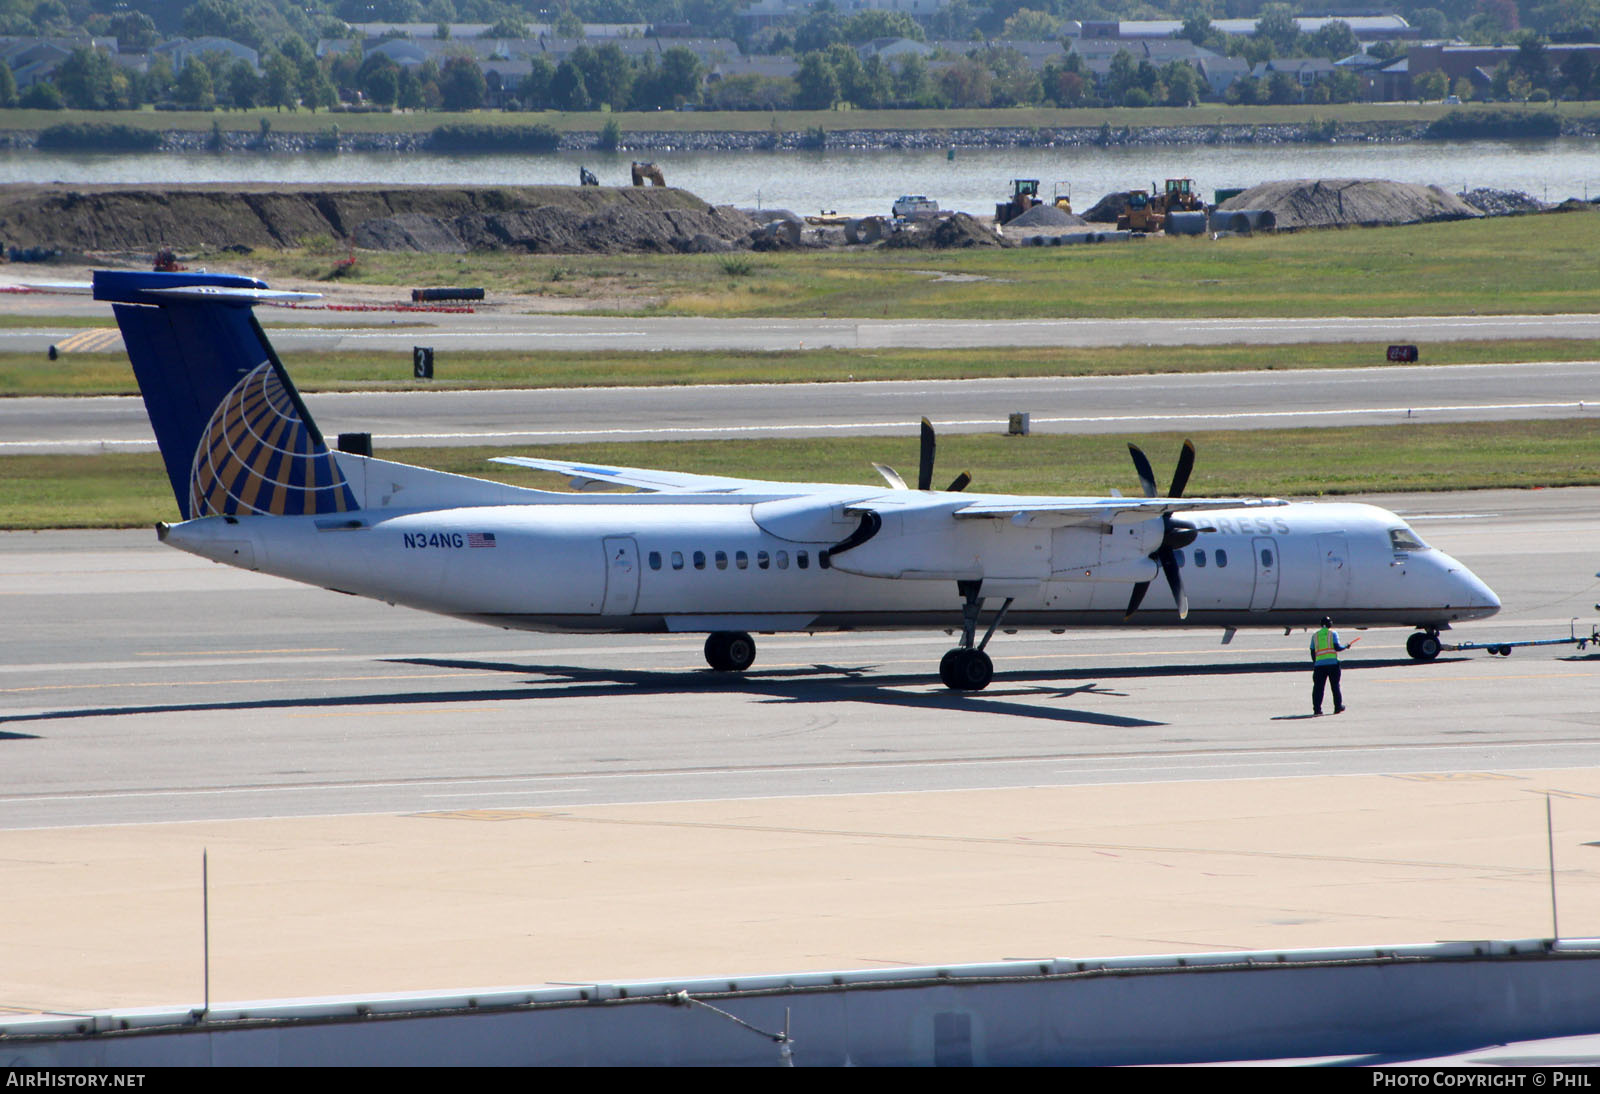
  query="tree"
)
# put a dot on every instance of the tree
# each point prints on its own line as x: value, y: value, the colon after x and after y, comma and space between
x: 282, y: 82
x: 864, y: 26
x: 8, y: 87
x: 819, y: 30
x: 1431, y: 85
x: 819, y: 87
x: 1333, y: 40
x: 567, y: 90
x: 1032, y: 26
x: 1276, y: 24
x: 85, y: 80
x: 1183, y: 83
x: 195, y: 89
x: 534, y: 91
x: 1577, y: 72
x: 378, y: 78
x: 568, y: 25
x: 1282, y: 88
x: 461, y: 84
x: 41, y: 96
x: 243, y: 89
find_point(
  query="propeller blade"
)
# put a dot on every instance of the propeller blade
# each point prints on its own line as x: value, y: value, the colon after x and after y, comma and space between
x: 925, y: 467
x: 1141, y: 464
x: 960, y: 482
x: 1180, y: 476
x: 1169, y: 566
x: 1133, y: 601
x: 891, y: 476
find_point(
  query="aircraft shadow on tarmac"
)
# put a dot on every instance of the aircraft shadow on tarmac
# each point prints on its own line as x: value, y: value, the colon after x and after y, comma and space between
x: 1022, y: 693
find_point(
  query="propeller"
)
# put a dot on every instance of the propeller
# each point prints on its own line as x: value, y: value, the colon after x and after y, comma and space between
x: 1175, y: 534
x: 924, y: 467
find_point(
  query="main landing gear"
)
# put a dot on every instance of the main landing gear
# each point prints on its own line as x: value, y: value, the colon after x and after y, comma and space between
x: 967, y: 667
x: 1423, y: 645
x: 730, y: 651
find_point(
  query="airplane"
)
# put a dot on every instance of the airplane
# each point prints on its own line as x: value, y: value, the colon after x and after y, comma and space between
x: 258, y: 488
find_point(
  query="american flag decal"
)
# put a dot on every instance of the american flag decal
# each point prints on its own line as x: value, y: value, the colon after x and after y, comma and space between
x: 480, y: 539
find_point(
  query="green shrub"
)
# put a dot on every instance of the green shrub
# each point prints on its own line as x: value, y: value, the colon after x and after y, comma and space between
x: 467, y: 137
x: 99, y: 136
x: 1494, y: 125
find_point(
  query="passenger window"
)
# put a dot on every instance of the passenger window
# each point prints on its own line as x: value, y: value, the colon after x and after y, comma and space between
x: 802, y: 560
x: 762, y: 560
x: 741, y: 560
x: 1222, y: 557
x: 1266, y: 558
x: 1179, y: 556
x: 699, y: 560
x: 655, y: 560
x: 722, y: 560
x: 783, y: 560
x: 677, y: 560
x: 1200, y: 557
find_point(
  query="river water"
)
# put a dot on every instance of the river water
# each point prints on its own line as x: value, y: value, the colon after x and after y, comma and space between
x: 860, y: 182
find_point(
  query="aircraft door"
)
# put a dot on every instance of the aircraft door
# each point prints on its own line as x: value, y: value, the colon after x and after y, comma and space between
x: 622, y: 575
x: 1265, y: 549
x: 1333, y: 570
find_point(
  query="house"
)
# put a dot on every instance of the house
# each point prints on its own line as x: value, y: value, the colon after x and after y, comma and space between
x: 180, y: 51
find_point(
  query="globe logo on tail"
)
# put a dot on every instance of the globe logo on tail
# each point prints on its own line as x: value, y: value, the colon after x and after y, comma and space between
x: 257, y: 456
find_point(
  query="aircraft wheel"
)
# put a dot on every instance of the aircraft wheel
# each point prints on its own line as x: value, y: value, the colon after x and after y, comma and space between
x: 1423, y: 646
x: 966, y: 670
x: 730, y: 651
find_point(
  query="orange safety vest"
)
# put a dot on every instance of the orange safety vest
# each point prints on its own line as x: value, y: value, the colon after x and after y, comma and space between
x: 1322, y: 646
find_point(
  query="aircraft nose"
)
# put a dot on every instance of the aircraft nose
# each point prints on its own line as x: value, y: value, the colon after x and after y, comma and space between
x: 1474, y: 593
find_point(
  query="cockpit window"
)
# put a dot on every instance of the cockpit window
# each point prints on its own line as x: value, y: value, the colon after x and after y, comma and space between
x: 1404, y: 539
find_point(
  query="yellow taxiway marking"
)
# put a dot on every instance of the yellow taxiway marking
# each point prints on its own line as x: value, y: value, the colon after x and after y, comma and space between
x: 229, y: 653
x: 96, y: 340
x: 246, y: 680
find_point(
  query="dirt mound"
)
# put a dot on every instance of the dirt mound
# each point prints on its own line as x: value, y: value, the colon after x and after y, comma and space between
x: 946, y: 233
x: 1046, y: 216
x: 535, y: 219
x: 1340, y: 203
x: 1107, y: 209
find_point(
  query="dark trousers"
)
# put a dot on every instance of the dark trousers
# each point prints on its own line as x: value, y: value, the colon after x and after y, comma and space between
x: 1322, y: 673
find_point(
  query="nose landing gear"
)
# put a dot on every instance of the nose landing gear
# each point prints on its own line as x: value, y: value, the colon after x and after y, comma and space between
x: 1423, y: 645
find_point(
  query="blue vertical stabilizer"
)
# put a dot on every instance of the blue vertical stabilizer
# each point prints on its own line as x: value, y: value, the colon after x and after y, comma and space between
x: 234, y: 434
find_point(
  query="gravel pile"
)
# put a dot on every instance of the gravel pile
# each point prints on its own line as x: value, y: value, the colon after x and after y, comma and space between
x: 1046, y: 216
x: 1346, y: 203
x: 1502, y: 203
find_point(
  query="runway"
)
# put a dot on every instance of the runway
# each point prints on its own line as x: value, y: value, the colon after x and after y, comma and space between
x: 1222, y: 400
x: 280, y: 700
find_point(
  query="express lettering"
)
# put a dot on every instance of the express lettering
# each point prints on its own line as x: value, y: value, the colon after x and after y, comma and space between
x: 1241, y: 526
x: 422, y: 541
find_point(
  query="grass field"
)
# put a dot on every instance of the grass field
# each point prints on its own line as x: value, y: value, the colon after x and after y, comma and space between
x: 109, y: 373
x: 305, y: 121
x: 1532, y: 264
x: 109, y: 491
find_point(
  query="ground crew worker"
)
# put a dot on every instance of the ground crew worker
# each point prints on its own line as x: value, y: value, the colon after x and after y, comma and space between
x: 1325, y: 647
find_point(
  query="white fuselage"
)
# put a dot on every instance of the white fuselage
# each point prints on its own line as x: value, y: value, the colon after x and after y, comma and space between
x: 633, y: 563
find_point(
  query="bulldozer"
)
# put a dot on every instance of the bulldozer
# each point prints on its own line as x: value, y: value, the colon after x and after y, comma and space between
x: 1142, y: 213
x: 1024, y: 196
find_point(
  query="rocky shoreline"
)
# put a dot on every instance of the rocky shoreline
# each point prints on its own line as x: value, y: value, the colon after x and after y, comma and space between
x: 333, y: 138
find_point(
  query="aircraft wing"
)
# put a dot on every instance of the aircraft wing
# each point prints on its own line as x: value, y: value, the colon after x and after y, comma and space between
x: 1062, y: 512
x: 588, y: 476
